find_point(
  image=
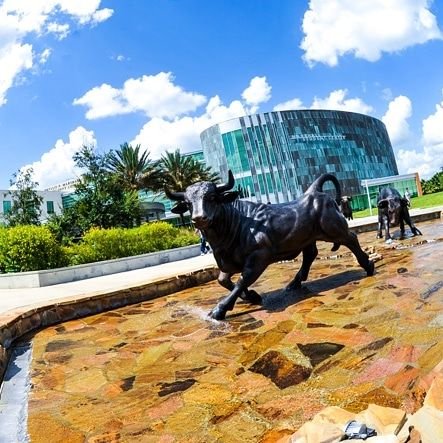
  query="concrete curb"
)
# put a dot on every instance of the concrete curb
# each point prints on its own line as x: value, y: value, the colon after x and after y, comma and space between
x: 49, y: 277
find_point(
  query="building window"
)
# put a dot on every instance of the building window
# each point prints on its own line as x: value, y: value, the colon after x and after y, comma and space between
x: 50, y: 207
x: 6, y: 206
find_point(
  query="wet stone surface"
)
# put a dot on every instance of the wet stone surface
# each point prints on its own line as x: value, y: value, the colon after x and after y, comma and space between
x: 162, y: 372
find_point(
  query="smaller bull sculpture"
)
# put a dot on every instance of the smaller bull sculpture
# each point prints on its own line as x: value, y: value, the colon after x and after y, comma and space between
x: 247, y: 237
x: 345, y: 206
x: 393, y: 211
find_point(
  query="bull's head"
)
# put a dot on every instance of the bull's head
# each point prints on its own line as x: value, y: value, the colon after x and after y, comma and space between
x: 203, y: 199
x: 393, y: 207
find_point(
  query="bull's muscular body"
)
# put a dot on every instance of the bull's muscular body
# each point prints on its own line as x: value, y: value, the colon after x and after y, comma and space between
x: 393, y: 211
x: 247, y: 237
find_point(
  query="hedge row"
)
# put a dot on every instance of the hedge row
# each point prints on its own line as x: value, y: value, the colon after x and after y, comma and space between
x: 31, y: 248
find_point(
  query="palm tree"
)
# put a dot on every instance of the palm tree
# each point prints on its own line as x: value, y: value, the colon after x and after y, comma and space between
x: 134, y: 170
x: 179, y: 171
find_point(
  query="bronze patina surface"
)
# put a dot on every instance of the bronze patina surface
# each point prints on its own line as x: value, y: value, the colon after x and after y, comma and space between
x: 161, y: 371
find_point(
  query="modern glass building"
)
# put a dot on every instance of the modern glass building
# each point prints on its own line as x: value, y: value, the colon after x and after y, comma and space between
x: 275, y: 156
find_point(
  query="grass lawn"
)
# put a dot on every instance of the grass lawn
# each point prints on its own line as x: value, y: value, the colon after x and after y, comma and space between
x: 425, y: 201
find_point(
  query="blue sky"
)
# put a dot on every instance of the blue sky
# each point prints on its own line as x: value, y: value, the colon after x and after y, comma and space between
x: 159, y: 72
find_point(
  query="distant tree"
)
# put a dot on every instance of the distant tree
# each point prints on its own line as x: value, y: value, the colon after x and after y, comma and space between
x: 134, y: 170
x: 26, y: 203
x: 65, y: 226
x: 434, y: 184
x: 100, y: 200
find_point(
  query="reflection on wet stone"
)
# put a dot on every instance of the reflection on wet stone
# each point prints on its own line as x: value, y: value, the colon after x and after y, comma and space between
x: 251, y: 326
x: 318, y: 352
x: 177, y: 386
x: 434, y: 288
x: 280, y: 369
x: 59, y: 345
x: 128, y: 383
x: 376, y: 345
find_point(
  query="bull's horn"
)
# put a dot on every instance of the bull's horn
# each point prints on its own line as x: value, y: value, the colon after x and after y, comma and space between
x: 227, y: 186
x: 175, y: 196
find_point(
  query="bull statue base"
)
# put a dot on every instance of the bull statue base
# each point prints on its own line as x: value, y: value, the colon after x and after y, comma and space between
x: 247, y: 237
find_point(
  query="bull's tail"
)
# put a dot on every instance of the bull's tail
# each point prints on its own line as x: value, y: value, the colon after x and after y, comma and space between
x: 318, y: 185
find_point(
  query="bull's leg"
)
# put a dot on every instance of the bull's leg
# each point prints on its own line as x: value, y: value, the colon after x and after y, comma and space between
x: 380, y: 228
x: 387, y: 233
x: 402, y: 228
x: 254, y: 267
x: 353, y: 244
x: 309, y: 254
x: 248, y: 295
x: 408, y: 220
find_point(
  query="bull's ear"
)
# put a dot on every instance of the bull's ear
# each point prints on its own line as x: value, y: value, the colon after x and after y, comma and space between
x: 383, y: 203
x: 179, y: 208
x: 229, y: 197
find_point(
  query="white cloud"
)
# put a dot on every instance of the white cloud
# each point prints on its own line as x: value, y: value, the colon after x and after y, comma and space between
x: 334, y: 28
x: 160, y: 135
x: 295, y: 103
x: 103, y: 101
x: 429, y: 160
x: 60, y: 31
x: 155, y: 95
x: 14, y: 58
x: 337, y: 100
x: 396, y: 120
x: 258, y: 91
x: 44, y: 56
x: 19, y: 19
x: 57, y: 165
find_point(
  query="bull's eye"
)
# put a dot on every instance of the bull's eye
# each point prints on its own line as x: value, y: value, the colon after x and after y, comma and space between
x: 211, y: 198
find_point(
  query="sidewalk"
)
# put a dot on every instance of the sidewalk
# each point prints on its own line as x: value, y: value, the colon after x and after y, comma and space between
x: 32, y: 298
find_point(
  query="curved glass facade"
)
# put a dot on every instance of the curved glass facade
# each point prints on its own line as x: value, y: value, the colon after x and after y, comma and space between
x: 275, y: 156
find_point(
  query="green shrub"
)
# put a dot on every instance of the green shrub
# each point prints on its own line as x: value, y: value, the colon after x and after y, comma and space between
x: 106, y: 244
x: 29, y: 248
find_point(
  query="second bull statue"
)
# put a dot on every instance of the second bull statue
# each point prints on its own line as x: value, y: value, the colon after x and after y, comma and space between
x: 247, y: 237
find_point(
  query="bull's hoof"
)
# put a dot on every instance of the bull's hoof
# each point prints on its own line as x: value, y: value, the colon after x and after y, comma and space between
x: 335, y: 247
x: 293, y: 286
x: 217, y: 314
x: 370, y: 269
x: 379, y: 236
x: 253, y: 297
x: 416, y: 232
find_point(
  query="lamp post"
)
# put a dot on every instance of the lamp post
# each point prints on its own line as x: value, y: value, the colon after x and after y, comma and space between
x: 369, y: 197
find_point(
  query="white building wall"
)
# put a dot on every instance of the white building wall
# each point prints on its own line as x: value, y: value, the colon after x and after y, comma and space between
x: 48, y: 196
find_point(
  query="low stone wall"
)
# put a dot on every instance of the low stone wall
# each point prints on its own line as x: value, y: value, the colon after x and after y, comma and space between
x: 30, y: 319
x: 48, y: 277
